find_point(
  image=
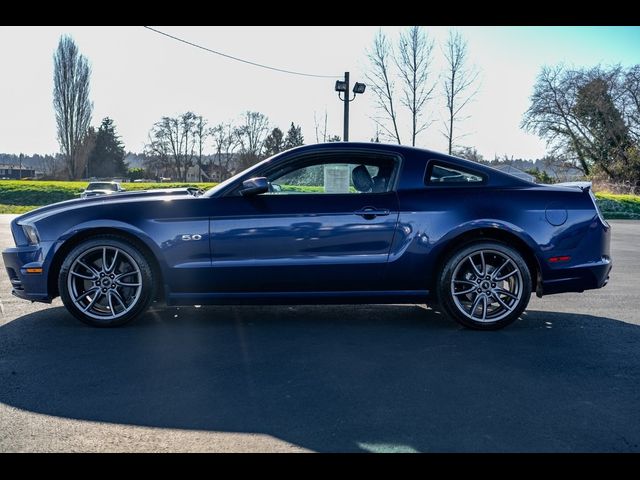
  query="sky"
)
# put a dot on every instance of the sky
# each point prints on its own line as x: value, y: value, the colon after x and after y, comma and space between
x: 139, y: 76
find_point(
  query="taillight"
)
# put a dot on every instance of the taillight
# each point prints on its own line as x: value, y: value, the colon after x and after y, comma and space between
x: 562, y: 258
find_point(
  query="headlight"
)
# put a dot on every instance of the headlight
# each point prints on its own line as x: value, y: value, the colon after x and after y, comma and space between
x: 31, y: 234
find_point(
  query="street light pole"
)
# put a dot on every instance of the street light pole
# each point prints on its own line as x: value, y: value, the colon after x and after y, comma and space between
x: 342, y: 86
x: 345, y: 132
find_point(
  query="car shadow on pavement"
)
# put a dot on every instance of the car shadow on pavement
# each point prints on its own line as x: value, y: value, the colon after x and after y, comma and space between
x: 367, y: 378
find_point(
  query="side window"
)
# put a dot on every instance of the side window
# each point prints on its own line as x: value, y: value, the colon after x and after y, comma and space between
x: 351, y: 175
x: 438, y: 173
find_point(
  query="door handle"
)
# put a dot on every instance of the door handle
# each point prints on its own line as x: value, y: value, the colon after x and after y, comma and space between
x: 369, y: 213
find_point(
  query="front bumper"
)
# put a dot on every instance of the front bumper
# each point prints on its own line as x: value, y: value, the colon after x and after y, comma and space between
x: 28, y: 286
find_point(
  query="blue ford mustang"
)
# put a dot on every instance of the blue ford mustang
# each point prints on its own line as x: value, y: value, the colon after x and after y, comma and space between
x: 329, y: 223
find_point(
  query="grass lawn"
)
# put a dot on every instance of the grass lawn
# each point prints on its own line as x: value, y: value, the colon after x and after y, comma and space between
x: 16, y: 208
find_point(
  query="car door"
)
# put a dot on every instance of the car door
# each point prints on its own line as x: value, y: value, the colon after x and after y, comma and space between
x: 313, y: 232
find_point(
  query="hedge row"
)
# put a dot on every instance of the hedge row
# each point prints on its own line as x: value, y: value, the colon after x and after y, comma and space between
x: 22, y: 192
x: 619, y: 206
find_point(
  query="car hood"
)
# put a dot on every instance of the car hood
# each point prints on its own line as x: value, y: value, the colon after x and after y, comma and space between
x: 120, y: 197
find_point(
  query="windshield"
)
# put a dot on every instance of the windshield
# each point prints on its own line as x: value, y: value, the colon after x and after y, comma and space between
x: 103, y: 186
x: 212, y: 191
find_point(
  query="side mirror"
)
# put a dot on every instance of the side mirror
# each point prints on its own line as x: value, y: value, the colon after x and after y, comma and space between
x: 254, y: 186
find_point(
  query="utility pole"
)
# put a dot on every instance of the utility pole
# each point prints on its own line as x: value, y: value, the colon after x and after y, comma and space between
x: 345, y: 132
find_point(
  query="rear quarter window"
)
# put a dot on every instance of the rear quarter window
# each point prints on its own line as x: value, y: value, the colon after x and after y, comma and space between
x: 445, y: 174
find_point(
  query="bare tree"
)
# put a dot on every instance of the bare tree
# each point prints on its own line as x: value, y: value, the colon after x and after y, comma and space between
x: 381, y: 82
x: 157, y: 157
x: 631, y: 101
x: 224, y: 143
x: 84, y: 151
x: 414, y: 63
x: 251, y: 136
x: 172, y: 141
x: 316, y: 127
x: 458, y: 83
x: 470, y: 153
x: 201, y: 133
x: 51, y: 166
x: 71, y: 76
x: 587, y: 116
x: 321, y: 131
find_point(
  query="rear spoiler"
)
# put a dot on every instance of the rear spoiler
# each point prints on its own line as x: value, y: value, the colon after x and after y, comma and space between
x: 584, y: 186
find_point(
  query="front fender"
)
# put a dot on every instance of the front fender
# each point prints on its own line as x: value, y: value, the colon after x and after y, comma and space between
x: 110, y: 226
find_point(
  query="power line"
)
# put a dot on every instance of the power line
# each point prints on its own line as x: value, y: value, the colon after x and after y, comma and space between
x: 240, y: 59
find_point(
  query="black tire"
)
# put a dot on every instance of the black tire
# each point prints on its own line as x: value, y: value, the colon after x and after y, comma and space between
x: 471, y: 287
x: 108, y: 315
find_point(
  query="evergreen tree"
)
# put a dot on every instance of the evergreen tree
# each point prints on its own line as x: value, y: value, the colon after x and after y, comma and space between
x: 274, y: 143
x: 107, y: 157
x: 294, y: 137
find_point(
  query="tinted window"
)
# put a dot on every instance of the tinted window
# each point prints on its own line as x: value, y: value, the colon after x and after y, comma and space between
x: 102, y: 186
x: 440, y: 173
x: 334, y: 175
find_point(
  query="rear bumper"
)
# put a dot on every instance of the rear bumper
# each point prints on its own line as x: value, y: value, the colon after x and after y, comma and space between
x: 588, y: 247
x: 28, y: 286
x: 579, y: 278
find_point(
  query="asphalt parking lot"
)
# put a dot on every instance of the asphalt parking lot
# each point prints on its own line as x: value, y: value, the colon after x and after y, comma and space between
x: 400, y: 378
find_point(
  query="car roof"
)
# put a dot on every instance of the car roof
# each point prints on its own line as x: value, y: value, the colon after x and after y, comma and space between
x: 415, y: 153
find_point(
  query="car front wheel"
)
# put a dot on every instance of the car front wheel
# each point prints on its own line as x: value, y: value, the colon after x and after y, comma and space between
x: 106, y: 281
x: 485, y: 286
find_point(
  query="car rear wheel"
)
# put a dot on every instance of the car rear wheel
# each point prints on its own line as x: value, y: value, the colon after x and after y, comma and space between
x: 106, y: 281
x: 485, y: 286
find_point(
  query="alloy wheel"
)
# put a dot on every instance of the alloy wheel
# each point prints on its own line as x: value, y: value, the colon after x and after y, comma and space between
x: 486, y: 286
x: 104, y: 282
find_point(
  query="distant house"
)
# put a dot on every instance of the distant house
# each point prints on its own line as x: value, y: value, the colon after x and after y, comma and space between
x: 516, y: 172
x: 15, y: 172
x: 209, y: 173
x: 216, y: 173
